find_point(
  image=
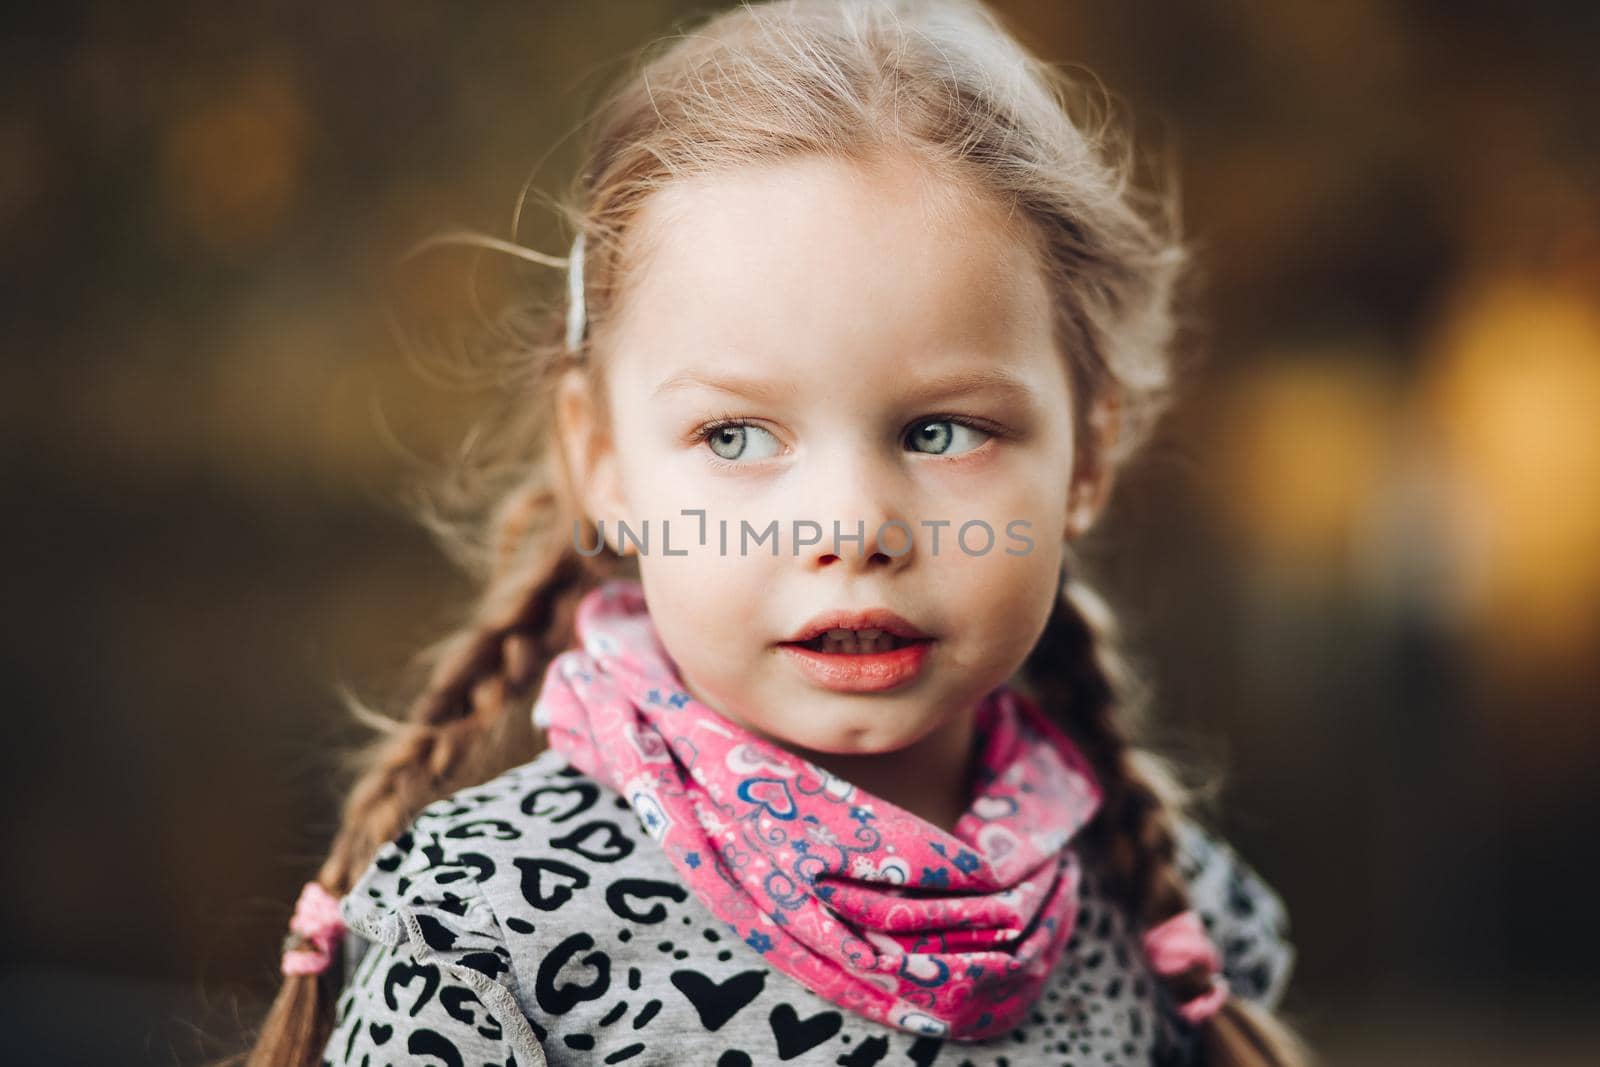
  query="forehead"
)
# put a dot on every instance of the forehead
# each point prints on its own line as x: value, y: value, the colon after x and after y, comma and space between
x: 813, y: 255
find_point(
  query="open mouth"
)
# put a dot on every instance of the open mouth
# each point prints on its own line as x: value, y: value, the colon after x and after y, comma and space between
x: 857, y: 642
x: 865, y: 660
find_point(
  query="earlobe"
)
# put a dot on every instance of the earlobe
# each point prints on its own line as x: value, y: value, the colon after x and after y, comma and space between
x: 1090, y: 493
x: 1087, y: 500
x: 1083, y: 507
x: 1077, y: 520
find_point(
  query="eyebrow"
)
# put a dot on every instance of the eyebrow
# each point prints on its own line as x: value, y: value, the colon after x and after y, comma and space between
x: 985, y: 380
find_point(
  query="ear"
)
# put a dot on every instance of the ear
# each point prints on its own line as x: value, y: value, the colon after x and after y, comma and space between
x: 595, y: 481
x: 1091, y: 490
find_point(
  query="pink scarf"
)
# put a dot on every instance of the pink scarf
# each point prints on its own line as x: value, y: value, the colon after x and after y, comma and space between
x: 871, y: 907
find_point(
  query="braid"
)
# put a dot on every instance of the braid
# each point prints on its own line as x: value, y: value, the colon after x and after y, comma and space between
x: 1080, y: 676
x: 459, y: 730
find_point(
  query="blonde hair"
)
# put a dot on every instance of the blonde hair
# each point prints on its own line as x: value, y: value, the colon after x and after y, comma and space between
x: 946, y: 83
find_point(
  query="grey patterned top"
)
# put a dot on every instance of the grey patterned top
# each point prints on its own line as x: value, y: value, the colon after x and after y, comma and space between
x: 532, y: 920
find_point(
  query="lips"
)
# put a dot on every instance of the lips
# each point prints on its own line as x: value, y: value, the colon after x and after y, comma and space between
x: 869, y: 625
x: 863, y: 651
x: 841, y: 642
x: 860, y: 672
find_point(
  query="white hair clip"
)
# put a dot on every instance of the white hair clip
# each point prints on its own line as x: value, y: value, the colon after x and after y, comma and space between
x: 576, y: 312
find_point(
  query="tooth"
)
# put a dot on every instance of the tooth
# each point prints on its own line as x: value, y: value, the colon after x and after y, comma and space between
x: 841, y: 641
x: 856, y: 642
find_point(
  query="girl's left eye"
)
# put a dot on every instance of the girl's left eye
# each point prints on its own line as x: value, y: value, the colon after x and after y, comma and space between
x: 945, y: 437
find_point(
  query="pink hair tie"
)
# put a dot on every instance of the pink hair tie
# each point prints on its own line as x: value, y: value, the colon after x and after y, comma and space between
x: 315, y: 929
x: 1179, y: 944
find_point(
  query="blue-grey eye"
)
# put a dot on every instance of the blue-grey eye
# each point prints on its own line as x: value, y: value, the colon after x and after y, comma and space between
x: 732, y: 441
x: 945, y: 437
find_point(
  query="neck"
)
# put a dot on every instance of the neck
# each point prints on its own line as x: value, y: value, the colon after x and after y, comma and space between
x: 930, y: 778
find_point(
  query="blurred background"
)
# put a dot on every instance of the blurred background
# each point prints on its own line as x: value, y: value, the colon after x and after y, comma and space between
x: 1363, y: 561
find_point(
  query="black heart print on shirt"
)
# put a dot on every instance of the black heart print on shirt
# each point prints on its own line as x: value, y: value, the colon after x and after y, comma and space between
x: 401, y: 975
x: 616, y: 846
x: 547, y: 884
x: 569, y: 800
x: 717, y: 1002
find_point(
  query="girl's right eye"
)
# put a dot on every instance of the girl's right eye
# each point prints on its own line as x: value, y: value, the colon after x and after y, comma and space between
x: 735, y: 441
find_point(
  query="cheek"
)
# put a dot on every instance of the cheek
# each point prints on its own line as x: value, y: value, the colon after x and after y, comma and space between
x: 1026, y: 480
x: 1026, y: 514
x: 1004, y: 598
x: 694, y: 598
x: 709, y: 644
x: 640, y: 477
x: 660, y: 479
x: 653, y: 470
x: 1010, y: 574
x: 686, y: 626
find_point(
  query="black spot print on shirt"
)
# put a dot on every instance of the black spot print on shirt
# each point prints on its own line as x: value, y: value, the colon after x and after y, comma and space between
x: 1240, y: 901
x: 867, y: 1053
x: 436, y: 1045
x: 447, y: 809
x: 462, y: 1006
x: 482, y: 869
x: 449, y: 902
x: 392, y: 855
x: 490, y: 964
x: 355, y: 1031
x: 618, y: 892
x: 435, y: 933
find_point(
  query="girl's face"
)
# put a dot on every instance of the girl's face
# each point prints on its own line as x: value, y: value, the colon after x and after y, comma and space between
x: 817, y: 343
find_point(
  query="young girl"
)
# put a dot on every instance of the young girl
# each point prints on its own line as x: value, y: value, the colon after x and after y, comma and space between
x: 829, y: 756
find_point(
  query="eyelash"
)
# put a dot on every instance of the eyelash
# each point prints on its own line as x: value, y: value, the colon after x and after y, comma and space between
x: 700, y: 434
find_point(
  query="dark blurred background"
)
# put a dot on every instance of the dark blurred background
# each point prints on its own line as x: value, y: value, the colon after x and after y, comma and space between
x: 1363, y: 561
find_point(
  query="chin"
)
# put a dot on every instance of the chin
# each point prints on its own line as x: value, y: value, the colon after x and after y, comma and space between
x: 859, y: 742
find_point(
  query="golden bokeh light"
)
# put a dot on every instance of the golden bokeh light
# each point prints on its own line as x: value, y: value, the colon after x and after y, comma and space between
x: 1512, y: 392
x: 233, y: 163
x: 1303, y: 449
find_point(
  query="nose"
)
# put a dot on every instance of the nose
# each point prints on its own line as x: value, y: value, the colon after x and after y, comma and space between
x: 859, y: 524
